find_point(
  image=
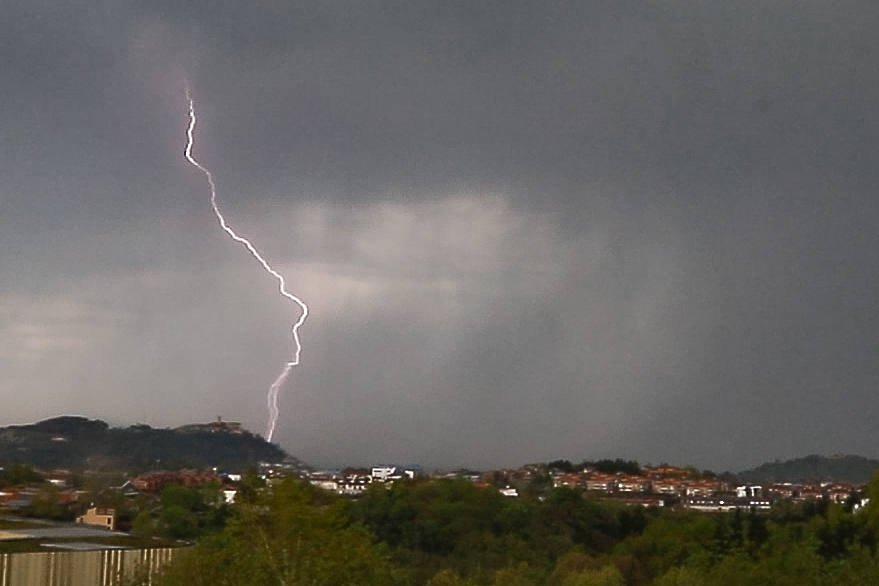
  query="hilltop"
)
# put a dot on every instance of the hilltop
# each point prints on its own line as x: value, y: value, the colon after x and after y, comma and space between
x: 814, y: 468
x: 79, y: 443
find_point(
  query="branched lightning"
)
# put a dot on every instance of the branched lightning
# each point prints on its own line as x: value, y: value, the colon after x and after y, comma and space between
x: 274, y: 390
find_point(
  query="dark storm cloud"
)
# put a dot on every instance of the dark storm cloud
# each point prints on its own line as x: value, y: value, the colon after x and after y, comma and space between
x: 527, y: 230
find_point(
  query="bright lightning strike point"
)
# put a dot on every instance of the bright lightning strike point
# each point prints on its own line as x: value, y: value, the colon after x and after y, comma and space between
x: 275, y: 389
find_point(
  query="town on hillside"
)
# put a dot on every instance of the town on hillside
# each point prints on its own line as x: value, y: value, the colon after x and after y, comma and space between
x: 660, y: 486
x: 147, y: 513
x: 116, y: 499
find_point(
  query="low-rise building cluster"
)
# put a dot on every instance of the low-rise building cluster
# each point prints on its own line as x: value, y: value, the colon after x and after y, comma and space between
x: 353, y: 481
x: 696, y: 491
x: 653, y: 486
x: 59, y: 494
x: 660, y: 486
x: 157, y: 480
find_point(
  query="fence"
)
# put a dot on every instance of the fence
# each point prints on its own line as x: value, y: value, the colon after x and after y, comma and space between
x: 107, y: 567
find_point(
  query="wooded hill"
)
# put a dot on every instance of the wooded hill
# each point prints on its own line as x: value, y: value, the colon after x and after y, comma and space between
x: 850, y: 469
x: 78, y: 443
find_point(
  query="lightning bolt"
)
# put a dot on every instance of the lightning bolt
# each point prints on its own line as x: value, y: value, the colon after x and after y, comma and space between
x: 274, y: 390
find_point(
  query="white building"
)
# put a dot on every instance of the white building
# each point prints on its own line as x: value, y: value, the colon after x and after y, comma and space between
x: 382, y: 473
x: 99, y: 517
x: 749, y: 491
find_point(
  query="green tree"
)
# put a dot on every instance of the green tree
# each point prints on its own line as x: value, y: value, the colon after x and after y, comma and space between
x: 736, y: 529
x: 19, y: 475
x: 562, y: 465
x: 520, y: 575
x: 175, y: 495
x: 143, y: 524
x: 47, y: 505
x: 869, y: 516
x: 837, y: 532
x: 681, y: 576
x: 604, y: 576
x: 757, y: 533
x: 250, y: 486
x: 289, y: 536
x: 446, y: 578
x: 178, y: 522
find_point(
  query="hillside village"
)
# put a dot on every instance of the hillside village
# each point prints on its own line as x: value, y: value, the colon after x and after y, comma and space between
x: 659, y: 486
x: 115, y: 499
x: 60, y: 493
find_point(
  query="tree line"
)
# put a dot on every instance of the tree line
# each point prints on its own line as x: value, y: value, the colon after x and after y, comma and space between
x: 453, y: 533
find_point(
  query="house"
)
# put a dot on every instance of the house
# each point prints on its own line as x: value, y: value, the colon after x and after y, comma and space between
x: 602, y: 482
x: 218, y: 426
x: 701, y: 488
x: 784, y: 490
x: 644, y: 501
x: 745, y: 491
x: 724, y: 503
x: 99, y: 517
x: 633, y: 484
x: 571, y: 480
x: 509, y: 491
x: 156, y: 481
x: 671, y: 487
x: 20, y: 499
x: 471, y: 475
x: 840, y: 493
x: 58, y: 478
x: 392, y: 473
x: 382, y: 473
x: 324, y: 481
x: 353, y: 485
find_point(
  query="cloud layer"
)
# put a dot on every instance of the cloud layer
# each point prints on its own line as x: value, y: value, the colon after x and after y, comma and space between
x: 526, y: 230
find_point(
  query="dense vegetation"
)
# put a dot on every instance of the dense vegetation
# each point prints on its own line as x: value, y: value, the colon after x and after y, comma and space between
x: 18, y: 475
x: 78, y: 443
x: 850, y: 469
x: 452, y: 533
x: 607, y: 466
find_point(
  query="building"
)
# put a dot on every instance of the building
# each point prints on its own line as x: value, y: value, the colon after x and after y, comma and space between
x: 99, y: 517
x: 602, y: 482
x: 157, y: 480
x: 382, y: 473
x: 353, y: 485
x: 633, y: 484
x: 392, y: 473
x: 721, y: 503
x: 324, y: 481
x: 668, y: 487
x: 218, y: 426
x: 749, y: 491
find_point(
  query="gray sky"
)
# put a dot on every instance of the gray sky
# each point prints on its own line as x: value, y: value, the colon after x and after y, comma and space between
x: 526, y: 230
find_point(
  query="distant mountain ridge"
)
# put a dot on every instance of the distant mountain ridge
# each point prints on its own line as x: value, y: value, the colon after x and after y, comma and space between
x: 79, y: 443
x: 814, y: 468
